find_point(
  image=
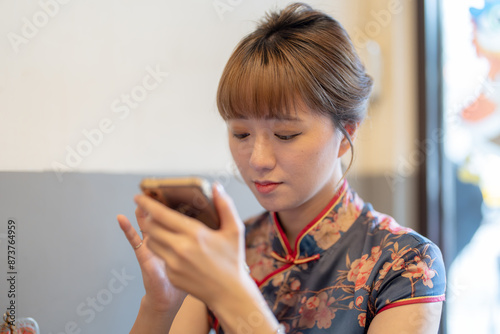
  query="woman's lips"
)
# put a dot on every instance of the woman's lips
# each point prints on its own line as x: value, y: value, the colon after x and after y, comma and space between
x: 265, y: 187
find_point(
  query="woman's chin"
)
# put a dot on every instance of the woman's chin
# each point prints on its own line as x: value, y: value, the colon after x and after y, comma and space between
x: 272, y: 204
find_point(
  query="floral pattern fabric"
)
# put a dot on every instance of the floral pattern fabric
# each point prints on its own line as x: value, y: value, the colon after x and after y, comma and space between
x: 349, y: 264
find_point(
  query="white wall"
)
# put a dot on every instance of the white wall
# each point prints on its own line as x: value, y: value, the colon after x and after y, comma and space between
x: 66, y: 71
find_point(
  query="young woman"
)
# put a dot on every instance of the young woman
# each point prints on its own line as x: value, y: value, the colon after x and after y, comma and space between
x: 321, y: 260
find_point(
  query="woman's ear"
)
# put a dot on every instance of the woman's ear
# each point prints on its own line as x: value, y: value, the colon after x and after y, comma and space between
x: 351, y: 130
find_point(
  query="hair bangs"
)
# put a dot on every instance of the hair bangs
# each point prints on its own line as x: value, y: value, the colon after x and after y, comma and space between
x: 259, y: 86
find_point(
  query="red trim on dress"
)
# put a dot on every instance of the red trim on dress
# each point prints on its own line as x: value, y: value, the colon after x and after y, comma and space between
x: 271, y: 274
x: 409, y: 301
x: 306, y: 229
x: 291, y: 257
x: 281, y: 234
x: 216, y: 324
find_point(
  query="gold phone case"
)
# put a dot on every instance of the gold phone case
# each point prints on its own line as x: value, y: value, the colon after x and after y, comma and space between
x: 191, y: 196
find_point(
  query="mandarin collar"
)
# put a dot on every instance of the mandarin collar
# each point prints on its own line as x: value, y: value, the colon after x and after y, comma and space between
x: 321, y: 233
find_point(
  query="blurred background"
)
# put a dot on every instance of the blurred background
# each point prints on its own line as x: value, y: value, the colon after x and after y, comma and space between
x: 96, y: 95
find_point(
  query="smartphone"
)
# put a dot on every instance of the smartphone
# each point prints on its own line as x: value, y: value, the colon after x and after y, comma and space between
x: 191, y: 196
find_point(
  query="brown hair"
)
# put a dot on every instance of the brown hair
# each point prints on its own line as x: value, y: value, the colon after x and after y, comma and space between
x: 296, y: 55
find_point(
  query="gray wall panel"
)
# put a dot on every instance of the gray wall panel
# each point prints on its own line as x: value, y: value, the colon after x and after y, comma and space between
x: 75, y: 269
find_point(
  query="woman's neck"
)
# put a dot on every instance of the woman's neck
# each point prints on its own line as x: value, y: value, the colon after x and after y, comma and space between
x: 294, y: 221
x: 293, y: 224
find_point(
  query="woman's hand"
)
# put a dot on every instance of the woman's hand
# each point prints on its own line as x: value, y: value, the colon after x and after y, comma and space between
x: 199, y: 260
x: 182, y: 254
x: 161, y: 296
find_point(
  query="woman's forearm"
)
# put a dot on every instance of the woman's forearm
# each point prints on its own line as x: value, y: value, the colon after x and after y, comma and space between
x: 244, y: 310
x: 150, y: 320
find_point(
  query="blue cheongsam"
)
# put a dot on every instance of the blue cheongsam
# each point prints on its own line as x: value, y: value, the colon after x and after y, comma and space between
x: 347, y: 265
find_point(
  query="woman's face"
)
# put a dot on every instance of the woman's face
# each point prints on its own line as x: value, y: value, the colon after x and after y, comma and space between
x: 289, y: 164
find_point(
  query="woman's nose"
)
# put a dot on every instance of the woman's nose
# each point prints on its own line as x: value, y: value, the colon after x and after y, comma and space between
x: 262, y: 156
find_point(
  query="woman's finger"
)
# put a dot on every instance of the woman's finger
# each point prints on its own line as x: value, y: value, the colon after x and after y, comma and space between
x: 130, y: 233
x: 140, y: 215
x: 226, y: 210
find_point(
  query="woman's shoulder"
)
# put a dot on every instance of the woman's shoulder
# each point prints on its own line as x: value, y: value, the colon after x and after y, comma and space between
x: 384, y: 226
x: 397, y: 243
x: 404, y: 266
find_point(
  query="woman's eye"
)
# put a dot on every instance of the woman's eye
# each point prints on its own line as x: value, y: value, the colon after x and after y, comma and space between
x: 240, y: 135
x: 287, y: 137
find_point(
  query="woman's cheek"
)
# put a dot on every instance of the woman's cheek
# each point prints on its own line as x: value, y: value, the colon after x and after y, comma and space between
x: 239, y: 158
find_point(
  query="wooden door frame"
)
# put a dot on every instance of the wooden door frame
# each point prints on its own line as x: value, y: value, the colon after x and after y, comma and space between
x: 435, y: 176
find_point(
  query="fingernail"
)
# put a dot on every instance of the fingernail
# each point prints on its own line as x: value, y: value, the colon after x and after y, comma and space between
x: 220, y: 188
